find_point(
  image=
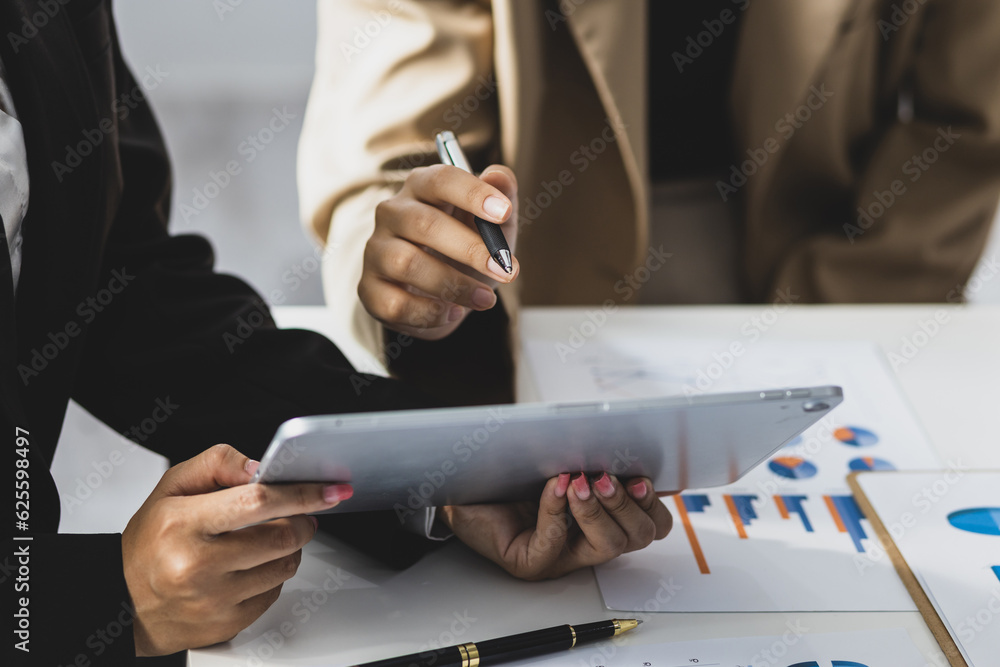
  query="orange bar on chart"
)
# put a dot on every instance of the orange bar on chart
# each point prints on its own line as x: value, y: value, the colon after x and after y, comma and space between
x: 779, y: 502
x: 699, y: 556
x: 737, y: 519
x: 835, y: 514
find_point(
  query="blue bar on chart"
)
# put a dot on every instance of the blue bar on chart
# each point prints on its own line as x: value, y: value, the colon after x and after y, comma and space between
x: 742, y: 511
x: 788, y: 505
x: 696, y: 503
x: 996, y: 571
x: 847, y: 515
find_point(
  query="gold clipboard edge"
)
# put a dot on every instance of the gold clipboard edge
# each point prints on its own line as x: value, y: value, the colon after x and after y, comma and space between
x: 916, y: 591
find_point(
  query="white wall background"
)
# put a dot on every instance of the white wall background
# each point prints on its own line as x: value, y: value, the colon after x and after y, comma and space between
x: 227, y: 73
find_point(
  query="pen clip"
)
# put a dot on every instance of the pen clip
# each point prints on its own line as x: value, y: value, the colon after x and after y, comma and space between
x: 450, y: 152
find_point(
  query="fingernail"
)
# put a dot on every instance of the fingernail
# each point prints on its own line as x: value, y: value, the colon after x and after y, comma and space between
x: 562, y: 485
x: 496, y: 208
x: 455, y: 313
x: 315, y: 522
x: 251, y: 466
x: 581, y: 487
x: 496, y: 270
x: 483, y: 298
x: 605, y: 486
x: 334, y: 493
x: 638, y: 490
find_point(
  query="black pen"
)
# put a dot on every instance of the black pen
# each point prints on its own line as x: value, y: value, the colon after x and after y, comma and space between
x: 514, y: 647
x: 451, y: 154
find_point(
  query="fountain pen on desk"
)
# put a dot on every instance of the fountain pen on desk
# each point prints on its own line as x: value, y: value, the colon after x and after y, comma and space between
x: 514, y: 647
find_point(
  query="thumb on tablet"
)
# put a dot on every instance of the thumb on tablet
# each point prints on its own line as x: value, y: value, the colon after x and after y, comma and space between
x: 218, y: 467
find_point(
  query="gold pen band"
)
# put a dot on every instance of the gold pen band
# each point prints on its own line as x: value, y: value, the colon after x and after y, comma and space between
x: 470, y: 654
x: 624, y: 625
x: 573, y: 630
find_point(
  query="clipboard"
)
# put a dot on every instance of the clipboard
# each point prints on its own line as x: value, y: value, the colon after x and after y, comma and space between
x: 935, y: 623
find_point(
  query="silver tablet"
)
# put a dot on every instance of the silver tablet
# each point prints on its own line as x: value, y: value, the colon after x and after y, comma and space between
x: 412, y: 459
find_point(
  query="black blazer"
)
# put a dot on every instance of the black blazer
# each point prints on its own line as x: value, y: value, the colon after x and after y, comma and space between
x: 117, y: 314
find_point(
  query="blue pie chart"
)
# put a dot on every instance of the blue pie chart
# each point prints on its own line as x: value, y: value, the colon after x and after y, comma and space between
x: 855, y: 436
x: 979, y: 520
x: 792, y: 467
x: 870, y: 463
x: 797, y: 440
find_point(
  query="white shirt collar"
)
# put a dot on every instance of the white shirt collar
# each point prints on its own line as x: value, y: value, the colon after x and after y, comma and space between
x: 13, y: 175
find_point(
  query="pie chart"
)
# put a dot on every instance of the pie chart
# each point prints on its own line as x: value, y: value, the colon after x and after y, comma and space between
x: 855, y: 436
x: 797, y: 440
x: 979, y: 520
x: 792, y: 467
x: 870, y: 463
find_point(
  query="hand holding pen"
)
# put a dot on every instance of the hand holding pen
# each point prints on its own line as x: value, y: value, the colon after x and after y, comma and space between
x: 426, y: 265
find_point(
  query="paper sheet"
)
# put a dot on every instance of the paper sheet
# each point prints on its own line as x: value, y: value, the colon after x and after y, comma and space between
x: 883, y: 648
x: 947, y: 528
x: 788, y: 536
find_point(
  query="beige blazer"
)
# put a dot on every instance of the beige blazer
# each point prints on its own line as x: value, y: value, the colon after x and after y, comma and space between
x: 870, y: 173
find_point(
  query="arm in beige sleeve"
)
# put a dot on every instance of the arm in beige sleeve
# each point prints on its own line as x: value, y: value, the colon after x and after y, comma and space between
x: 389, y: 75
x: 922, y: 241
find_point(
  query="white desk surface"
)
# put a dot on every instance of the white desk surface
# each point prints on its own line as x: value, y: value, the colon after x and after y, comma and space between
x: 455, y: 596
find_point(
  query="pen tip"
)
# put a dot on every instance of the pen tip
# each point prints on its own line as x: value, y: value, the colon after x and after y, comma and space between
x: 504, y: 260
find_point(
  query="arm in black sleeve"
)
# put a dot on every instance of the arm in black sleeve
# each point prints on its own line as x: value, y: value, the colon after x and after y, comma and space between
x: 196, y: 352
x: 184, y: 358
